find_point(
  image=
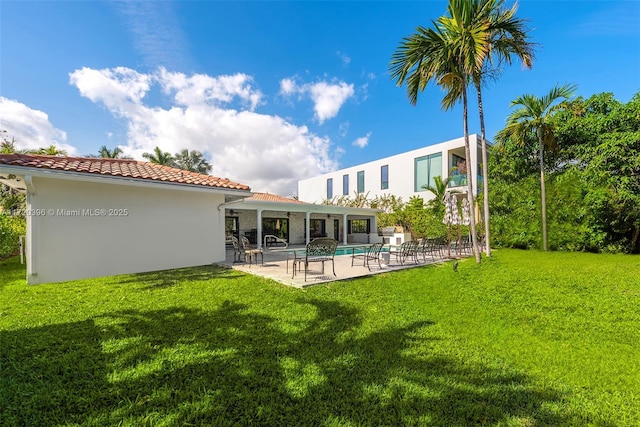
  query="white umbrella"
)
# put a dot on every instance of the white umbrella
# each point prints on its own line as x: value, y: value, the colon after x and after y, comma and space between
x: 466, y: 212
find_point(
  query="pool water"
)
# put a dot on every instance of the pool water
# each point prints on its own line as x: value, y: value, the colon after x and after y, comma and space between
x: 348, y: 251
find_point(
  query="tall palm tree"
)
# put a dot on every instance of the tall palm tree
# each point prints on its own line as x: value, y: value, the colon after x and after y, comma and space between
x: 159, y: 157
x: 532, y: 121
x: 438, y: 54
x: 505, y: 35
x: 193, y: 161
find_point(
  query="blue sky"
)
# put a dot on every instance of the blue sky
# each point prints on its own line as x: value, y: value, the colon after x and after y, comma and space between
x: 272, y: 92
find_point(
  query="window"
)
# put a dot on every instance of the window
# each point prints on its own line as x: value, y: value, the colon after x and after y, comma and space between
x: 345, y: 185
x: 361, y: 182
x: 276, y: 226
x: 384, y: 177
x: 317, y: 228
x: 359, y: 226
x: 426, y: 168
x: 329, y: 188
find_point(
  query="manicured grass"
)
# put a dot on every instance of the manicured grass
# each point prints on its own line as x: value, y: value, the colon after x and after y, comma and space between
x: 525, y: 339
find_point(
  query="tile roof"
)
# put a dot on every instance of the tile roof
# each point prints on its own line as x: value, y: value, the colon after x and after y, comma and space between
x: 122, y: 168
x: 266, y: 197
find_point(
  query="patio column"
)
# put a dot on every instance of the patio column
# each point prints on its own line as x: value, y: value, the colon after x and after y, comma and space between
x: 259, y: 230
x: 344, y: 229
x: 308, y: 225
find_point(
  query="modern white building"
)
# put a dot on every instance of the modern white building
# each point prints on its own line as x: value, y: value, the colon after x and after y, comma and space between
x: 402, y: 175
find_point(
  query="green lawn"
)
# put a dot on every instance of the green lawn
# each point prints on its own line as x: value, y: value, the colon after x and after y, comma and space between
x: 525, y: 339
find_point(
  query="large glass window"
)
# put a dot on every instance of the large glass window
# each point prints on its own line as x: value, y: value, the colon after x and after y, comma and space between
x: 359, y: 226
x: 361, y: 182
x: 345, y: 185
x: 278, y: 227
x: 329, y: 188
x: 384, y: 177
x: 426, y: 168
x: 317, y: 228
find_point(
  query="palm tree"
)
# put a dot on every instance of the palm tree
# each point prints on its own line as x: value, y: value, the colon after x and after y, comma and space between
x: 105, y: 153
x: 159, y: 157
x: 532, y: 121
x: 192, y: 161
x: 439, y: 54
x: 51, y: 150
x: 505, y: 35
x: 439, y: 188
x: 8, y: 147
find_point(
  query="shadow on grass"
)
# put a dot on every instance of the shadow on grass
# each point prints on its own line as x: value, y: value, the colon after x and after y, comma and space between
x: 232, y: 366
x: 168, y: 278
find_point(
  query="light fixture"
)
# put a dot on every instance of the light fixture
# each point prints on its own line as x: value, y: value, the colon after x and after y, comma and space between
x: 288, y: 214
x: 231, y: 212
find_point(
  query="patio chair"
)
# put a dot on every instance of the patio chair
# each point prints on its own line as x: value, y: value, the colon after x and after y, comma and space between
x: 238, y: 250
x: 251, y: 252
x: 407, y: 250
x: 371, y: 253
x: 318, y: 250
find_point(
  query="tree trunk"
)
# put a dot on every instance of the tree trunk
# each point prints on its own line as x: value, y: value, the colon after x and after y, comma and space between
x: 485, y: 175
x: 543, y: 194
x: 467, y: 149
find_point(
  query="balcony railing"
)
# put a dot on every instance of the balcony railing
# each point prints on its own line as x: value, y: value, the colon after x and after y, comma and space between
x: 461, y: 181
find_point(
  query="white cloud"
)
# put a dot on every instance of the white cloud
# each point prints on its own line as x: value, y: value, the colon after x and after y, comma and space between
x: 156, y: 32
x: 363, y: 141
x: 288, y: 87
x: 327, y: 97
x: 30, y: 128
x: 343, y: 129
x: 344, y: 58
x: 203, y: 89
x: 264, y: 151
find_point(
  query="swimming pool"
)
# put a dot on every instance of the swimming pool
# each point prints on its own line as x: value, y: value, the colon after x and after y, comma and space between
x: 356, y: 250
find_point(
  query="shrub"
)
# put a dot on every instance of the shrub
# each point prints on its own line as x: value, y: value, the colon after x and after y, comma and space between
x: 11, y: 228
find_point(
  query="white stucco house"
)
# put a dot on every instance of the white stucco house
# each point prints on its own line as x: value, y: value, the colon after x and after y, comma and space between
x: 91, y: 217
x: 402, y: 175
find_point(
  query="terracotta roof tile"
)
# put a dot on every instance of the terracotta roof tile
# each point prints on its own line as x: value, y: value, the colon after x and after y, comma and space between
x: 125, y: 168
x: 266, y: 197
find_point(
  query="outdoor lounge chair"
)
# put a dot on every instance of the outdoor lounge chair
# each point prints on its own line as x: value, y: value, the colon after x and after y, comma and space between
x: 251, y: 252
x: 406, y: 251
x: 371, y: 253
x: 318, y: 250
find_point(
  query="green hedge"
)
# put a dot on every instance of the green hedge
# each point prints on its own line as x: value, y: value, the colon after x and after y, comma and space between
x: 11, y: 228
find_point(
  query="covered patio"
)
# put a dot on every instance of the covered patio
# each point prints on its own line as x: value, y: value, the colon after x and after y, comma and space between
x: 278, y: 265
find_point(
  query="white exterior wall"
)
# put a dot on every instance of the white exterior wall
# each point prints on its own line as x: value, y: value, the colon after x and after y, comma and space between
x: 401, y: 173
x: 165, y: 228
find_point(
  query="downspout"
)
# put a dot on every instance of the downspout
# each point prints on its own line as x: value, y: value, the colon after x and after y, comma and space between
x: 32, y: 232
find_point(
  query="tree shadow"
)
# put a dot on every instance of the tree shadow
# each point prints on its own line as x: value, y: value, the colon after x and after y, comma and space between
x: 233, y: 366
x: 168, y: 278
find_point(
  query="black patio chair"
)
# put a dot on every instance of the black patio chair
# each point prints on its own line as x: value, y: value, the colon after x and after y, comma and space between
x: 407, y: 250
x: 318, y: 251
x: 371, y: 253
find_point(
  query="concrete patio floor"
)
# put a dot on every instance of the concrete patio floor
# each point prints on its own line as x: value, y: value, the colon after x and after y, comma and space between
x: 278, y: 266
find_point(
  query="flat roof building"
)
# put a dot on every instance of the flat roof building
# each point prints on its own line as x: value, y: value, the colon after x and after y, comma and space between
x: 402, y: 175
